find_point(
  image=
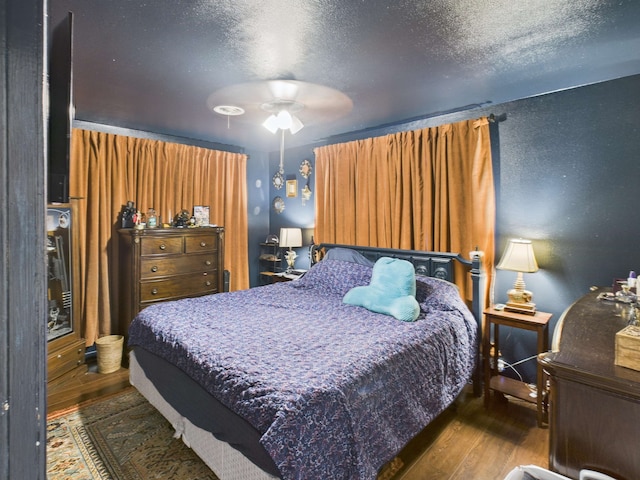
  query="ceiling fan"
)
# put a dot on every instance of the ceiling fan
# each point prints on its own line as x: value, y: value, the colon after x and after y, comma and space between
x: 280, y: 104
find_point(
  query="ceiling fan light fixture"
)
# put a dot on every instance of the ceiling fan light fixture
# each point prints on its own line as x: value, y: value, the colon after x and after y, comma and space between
x: 284, y: 120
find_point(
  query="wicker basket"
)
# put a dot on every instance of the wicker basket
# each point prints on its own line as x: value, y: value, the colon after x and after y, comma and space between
x: 109, y: 351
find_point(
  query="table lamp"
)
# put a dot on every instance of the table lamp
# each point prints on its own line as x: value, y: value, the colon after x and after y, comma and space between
x: 519, y: 257
x: 291, y: 238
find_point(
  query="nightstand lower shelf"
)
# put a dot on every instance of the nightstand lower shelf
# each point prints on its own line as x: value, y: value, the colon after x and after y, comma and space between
x: 515, y: 388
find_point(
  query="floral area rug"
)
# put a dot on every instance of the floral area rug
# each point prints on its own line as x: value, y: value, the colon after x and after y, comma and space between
x: 121, y: 437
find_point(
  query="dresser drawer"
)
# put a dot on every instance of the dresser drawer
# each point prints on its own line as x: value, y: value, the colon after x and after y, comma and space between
x: 163, y: 266
x: 201, y: 243
x: 179, y: 286
x: 160, y: 245
x: 64, y: 360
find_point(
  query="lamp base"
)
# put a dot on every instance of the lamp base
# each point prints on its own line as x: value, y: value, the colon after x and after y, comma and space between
x: 519, y: 295
x: 528, y: 308
x: 290, y: 256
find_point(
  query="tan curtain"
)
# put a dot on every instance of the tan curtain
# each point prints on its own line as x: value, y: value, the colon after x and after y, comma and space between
x: 108, y: 170
x: 429, y: 189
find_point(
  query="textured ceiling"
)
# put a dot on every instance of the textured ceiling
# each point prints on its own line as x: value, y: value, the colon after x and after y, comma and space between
x: 151, y: 65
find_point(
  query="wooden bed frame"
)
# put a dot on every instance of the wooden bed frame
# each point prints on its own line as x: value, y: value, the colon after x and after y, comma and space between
x: 231, y: 464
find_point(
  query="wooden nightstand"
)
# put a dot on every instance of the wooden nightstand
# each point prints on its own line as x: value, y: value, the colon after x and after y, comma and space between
x: 538, y: 323
x: 275, y: 277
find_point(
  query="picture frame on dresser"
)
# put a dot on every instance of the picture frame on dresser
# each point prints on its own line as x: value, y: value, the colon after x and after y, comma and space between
x: 201, y: 214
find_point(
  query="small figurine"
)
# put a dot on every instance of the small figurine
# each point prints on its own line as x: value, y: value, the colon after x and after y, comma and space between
x: 183, y: 219
x: 137, y: 220
x: 54, y: 311
x: 128, y: 213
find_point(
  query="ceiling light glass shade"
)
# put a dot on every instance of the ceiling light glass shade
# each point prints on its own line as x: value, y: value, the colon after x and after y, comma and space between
x: 283, y: 121
x: 271, y: 124
x: 296, y: 125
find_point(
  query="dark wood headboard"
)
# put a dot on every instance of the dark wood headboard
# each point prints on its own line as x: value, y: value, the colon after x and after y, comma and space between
x: 431, y: 264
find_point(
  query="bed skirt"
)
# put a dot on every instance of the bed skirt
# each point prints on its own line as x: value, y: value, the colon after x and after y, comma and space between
x: 225, y: 461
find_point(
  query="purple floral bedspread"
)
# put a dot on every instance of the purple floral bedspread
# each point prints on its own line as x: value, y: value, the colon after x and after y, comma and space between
x: 335, y: 390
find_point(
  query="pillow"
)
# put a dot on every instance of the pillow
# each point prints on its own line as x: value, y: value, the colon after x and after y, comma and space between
x: 392, y: 290
x: 334, y: 277
x: 347, y: 255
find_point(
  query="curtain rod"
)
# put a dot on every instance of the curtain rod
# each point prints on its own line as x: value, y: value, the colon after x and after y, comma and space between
x: 493, y: 118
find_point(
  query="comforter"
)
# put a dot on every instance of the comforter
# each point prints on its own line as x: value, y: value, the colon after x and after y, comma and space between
x: 336, y: 391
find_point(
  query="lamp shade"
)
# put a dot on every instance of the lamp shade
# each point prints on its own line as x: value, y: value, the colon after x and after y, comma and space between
x: 290, y: 237
x: 518, y: 257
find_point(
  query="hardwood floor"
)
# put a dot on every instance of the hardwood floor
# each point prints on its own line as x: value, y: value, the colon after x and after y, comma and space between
x: 469, y: 442
x: 464, y: 442
x: 84, y: 386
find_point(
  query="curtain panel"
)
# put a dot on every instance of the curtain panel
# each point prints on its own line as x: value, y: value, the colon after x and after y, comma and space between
x: 430, y: 189
x: 108, y: 170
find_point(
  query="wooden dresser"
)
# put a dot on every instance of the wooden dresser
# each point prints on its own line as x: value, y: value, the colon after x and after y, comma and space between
x: 163, y: 264
x: 594, y: 405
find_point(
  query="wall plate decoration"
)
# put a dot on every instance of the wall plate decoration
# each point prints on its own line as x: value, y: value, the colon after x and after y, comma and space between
x: 305, y: 169
x: 278, y: 180
x: 306, y: 194
x: 278, y: 204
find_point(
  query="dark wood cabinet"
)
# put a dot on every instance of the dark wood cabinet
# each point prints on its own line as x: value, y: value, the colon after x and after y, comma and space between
x: 594, y: 405
x: 163, y: 264
x: 65, y: 345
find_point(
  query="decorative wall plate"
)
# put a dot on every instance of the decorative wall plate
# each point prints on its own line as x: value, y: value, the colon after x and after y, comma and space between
x: 306, y: 194
x: 305, y: 168
x: 278, y: 180
x: 278, y: 204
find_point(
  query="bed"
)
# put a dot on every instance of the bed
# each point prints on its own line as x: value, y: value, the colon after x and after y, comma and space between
x: 287, y: 381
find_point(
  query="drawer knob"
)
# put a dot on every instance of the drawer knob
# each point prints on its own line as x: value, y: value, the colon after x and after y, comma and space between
x: 59, y: 356
x: 154, y: 268
x: 203, y: 244
x: 207, y: 263
x: 208, y: 283
x: 163, y: 247
x: 154, y: 291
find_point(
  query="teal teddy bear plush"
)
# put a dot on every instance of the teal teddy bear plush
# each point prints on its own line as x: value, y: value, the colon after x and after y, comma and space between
x: 392, y: 290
